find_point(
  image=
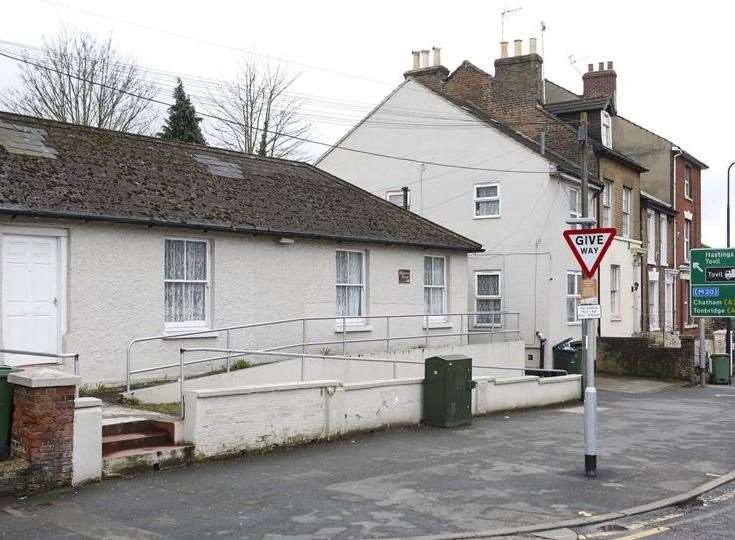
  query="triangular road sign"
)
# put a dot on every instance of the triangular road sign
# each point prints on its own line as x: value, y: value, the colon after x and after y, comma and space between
x: 589, y: 247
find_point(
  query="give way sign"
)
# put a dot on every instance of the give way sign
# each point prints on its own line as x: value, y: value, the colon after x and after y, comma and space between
x: 589, y: 246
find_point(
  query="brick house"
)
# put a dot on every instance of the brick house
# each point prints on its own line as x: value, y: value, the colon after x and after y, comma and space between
x: 674, y: 179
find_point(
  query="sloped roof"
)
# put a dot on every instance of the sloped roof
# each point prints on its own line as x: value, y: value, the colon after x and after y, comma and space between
x: 578, y: 105
x: 97, y: 174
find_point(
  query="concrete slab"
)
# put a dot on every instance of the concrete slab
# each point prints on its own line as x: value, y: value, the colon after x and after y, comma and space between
x: 520, y: 468
x: 631, y: 385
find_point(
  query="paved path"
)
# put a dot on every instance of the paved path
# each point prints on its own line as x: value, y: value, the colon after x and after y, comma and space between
x: 519, y: 468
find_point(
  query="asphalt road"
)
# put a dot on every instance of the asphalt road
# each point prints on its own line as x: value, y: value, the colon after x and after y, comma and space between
x: 504, y: 470
x: 711, y: 516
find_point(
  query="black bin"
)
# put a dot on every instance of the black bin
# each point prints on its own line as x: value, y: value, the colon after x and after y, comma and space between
x: 568, y: 356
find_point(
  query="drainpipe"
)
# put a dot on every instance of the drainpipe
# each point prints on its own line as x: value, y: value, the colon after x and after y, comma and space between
x: 679, y: 152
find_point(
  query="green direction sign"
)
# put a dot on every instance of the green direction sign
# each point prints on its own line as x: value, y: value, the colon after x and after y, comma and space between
x: 712, y: 283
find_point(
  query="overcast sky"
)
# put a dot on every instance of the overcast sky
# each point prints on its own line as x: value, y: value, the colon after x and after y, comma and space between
x: 674, y: 59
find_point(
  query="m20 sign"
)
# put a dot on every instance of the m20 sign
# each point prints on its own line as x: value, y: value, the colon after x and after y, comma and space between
x: 589, y: 247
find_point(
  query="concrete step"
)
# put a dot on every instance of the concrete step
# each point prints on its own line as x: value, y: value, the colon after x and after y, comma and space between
x: 134, y: 439
x: 147, y: 458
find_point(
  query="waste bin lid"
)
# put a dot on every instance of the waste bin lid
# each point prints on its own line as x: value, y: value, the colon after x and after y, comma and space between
x: 563, y: 344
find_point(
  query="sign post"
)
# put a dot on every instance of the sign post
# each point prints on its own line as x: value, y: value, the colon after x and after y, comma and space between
x: 712, y: 293
x: 589, y: 247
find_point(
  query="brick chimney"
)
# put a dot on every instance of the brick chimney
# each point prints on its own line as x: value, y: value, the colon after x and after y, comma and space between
x: 433, y: 75
x: 600, y: 83
x: 518, y: 80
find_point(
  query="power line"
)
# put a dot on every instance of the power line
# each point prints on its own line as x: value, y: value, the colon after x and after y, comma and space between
x: 295, y: 137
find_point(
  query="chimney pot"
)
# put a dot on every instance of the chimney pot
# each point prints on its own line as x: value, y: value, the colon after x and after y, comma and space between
x: 590, y: 67
x: 609, y: 64
x: 517, y: 47
x: 601, y: 66
x: 416, y: 59
x: 425, y: 58
x: 532, y: 46
x: 437, y: 56
x: 503, y: 49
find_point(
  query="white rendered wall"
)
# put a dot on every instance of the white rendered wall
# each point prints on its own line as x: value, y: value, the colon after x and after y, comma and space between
x: 87, y: 440
x: 525, y: 242
x: 498, y: 359
x: 115, y: 292
x: 232, y: 420
x: 622, y: 325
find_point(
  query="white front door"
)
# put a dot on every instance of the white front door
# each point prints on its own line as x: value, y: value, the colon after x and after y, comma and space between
x: 669, y: 304
x: 637, y: 297
x: 30, y: 297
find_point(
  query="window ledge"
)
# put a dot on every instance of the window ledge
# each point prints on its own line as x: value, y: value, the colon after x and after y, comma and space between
x: 615, y: 318
x: 574, y: 323
x: 487, y: 217
x: 437, y: 324
x: 177, y: 334
x: 353, y: 328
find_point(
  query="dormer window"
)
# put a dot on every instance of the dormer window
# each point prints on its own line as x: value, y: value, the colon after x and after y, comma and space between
x: 606, y: 129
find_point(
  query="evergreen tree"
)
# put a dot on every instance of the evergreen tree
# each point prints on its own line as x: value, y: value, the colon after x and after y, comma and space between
x: 182, y: 123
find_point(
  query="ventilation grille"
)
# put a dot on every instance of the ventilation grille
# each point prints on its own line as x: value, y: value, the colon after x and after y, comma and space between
x: 219, y: 167
x: 19, y: 139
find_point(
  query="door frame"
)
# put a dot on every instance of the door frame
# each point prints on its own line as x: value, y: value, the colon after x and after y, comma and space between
x: 61, y: 236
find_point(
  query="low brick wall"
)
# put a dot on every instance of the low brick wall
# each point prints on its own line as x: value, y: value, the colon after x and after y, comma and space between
x: 636, y: 357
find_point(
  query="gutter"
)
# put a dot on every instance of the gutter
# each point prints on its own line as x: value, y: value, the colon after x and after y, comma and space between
x: 226, y: 228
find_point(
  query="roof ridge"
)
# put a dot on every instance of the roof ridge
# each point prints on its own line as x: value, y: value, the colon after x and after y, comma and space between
x: 138, y: 136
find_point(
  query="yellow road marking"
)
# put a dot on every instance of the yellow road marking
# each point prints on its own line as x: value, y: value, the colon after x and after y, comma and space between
x: 644, y: 534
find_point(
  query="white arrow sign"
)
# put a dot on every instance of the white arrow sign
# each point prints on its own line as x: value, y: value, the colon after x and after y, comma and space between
x: 589, y: 246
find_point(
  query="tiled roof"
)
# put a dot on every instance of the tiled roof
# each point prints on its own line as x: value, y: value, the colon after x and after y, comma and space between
x: 95, y: 174
x: 578, y: 105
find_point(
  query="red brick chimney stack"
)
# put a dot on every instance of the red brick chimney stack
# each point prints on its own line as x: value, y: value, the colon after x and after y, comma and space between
x: 600, y: 83
x: 518, y: 78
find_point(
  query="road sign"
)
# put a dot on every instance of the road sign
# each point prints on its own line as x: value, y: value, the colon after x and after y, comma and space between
x: 589, y: 247
x: 712, y: 283
x: 589, y: 311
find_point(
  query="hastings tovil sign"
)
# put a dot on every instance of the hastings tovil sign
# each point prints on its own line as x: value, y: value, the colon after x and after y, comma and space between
x: 589, y: 247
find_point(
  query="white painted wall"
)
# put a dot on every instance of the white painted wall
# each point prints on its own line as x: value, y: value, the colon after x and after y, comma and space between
x: 525, y: 243
x: 497, y: 359
x: 115, y: 292
x: 260, y: 417
x: 87, y: 440
x: 621, y: 253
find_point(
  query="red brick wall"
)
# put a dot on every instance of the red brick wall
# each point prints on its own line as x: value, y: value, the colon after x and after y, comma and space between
x: 42, y: 433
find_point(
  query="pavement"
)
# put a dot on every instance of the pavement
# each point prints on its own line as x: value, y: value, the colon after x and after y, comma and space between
x: 516, y: 469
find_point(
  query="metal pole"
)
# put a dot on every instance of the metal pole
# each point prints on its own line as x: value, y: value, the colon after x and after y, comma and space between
x: 228, y: 348
x: 181, y: 381
x: 426, y: 330
x: 728, y: 321
x: 344, y: 335
x: 127, y: 364
x: 702, y: 354
x: 303, y: 348
x: 589, y: 334
x: 387, y: 334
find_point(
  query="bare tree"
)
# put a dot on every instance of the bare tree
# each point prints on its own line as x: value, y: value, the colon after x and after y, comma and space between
x: 258, y: 115
x: 83, y: 81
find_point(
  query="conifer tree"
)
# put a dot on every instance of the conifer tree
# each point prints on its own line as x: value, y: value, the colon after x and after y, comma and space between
x: 182, y: 123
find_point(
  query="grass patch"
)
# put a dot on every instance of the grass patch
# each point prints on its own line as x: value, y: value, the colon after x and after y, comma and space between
x: 172, y: 409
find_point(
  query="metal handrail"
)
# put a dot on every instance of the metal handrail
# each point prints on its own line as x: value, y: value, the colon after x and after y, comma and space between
x: 61, y: 356
x: 342, y: 327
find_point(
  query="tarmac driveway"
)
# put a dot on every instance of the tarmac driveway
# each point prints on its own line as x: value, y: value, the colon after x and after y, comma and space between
x: 513, y: 469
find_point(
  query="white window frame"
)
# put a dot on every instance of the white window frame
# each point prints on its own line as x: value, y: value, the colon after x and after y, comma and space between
x: 688, y: 182
x: 607, y: 194
x: 606, y: 129
x: 687, y: 238
x: 499, y: 296
x: 476, y: 199
x: 437, y: 318
x: 389, y: 194
x: 575, y: 211
x: 663, y: 240
x: 359, y: 320
x: 651, y: 237
x: 577, y: 296
x: 627, y: 198
x: 654, y: 303
x: 615, y: 291
x: 179, y: 327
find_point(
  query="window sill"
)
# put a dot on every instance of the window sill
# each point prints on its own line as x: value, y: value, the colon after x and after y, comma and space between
x: 615, y: 318
x: 574, y: 323
x: 487, y: 217
x: 177, y: 334
x: 437, y: 324
x: 353, y: 328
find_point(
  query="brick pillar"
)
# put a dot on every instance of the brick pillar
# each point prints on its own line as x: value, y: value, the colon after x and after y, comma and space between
x: 43, y: 425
